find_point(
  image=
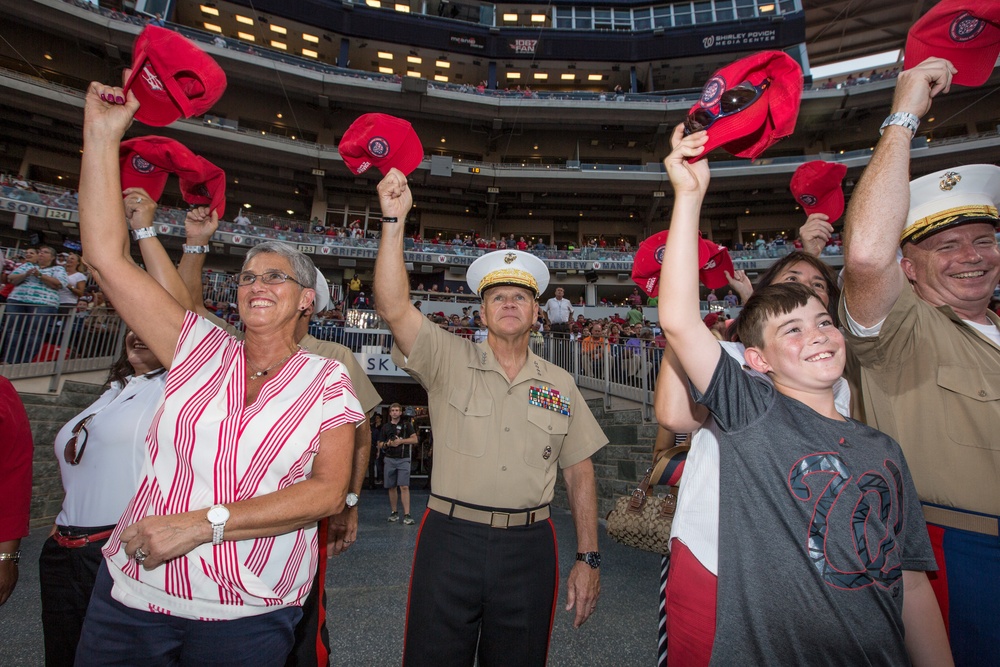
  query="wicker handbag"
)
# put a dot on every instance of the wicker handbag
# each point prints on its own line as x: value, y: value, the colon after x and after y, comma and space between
x: 642, y: 520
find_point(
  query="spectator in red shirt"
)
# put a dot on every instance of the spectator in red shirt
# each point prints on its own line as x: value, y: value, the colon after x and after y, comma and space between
x: 15, y: 479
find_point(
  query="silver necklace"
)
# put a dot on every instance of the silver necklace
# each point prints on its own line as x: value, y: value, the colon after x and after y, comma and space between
x: 259, y: 374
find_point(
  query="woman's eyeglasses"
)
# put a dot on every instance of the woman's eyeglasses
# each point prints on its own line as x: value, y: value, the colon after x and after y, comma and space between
x: 77, y: 443
x: 247, y: 278
x: 732, y: 101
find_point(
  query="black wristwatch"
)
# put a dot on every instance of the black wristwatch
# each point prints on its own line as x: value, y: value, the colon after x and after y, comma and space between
x: 591, y: 558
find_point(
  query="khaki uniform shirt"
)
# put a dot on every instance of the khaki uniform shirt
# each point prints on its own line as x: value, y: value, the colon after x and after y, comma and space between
x: 363, y: 387
x: 932, y: 382
x: 491, y: 446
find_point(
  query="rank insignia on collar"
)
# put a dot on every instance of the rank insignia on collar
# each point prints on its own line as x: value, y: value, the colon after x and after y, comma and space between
x: 550, y: 399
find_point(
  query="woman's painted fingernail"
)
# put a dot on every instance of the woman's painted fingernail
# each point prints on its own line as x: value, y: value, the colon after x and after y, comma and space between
x: 119, y: 99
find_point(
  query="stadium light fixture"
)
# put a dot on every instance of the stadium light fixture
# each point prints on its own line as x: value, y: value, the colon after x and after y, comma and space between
x: 306, y: 37
x: 309, y: 53
x: 279, y: 45
x: 416, y: 60
x: 385, y: 55
x: 510, y: 18
x: 211, y: 11
x: 245, y: 20
x: 443, y: 64
x: 278, y: 29
x: 385, y: 70
x: 213, y: 27
x: 247, y: 36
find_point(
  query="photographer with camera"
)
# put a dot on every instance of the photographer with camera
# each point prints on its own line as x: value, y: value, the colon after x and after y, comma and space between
x: 396, y: 442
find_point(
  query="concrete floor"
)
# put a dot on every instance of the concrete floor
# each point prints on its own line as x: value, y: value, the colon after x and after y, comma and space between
x: 367, y: 587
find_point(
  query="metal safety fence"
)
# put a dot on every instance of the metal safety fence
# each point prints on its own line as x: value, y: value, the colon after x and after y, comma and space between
x: 39, y: 344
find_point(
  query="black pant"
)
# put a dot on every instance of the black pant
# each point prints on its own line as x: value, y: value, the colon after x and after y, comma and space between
x: 312, y: 640
x: 475, y: 585
x: 67, y: 580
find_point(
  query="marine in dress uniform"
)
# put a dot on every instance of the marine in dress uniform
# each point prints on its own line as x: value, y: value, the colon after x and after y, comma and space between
x: 485, y: 571
x: 929, y: 350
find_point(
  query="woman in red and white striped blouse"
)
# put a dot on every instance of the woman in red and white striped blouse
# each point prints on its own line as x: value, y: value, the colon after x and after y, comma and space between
x: 251, y: 446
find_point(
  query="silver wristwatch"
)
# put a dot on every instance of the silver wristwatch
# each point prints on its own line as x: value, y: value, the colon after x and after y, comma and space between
x: 907, y: 120
x: 351, y: 500
x: 218, y: 515
x: 143, y: 233
x: 195, y: 249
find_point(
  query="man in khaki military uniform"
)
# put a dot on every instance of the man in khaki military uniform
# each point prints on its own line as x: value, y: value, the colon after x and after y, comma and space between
x: 930, y: 350
x: 339, y: 532
x: 485, y: 571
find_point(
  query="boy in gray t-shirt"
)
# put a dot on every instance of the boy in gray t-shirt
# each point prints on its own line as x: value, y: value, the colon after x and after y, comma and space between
x: 823, y: 548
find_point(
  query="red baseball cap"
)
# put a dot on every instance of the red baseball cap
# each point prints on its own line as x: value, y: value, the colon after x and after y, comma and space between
x: 172, y: 78
x: 649, y: 258
x: 770, y: 116
x: 382, y: 141
x: 966, y: 32
x: 204, y: 184
x: 146, y: 162
x: 816, y: 186
x: 712, y: 273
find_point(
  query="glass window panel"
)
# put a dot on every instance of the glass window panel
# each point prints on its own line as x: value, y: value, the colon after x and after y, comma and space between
x: 724, y: 10
x: 745, y: 9
x: 661, y: 17
x: 787, y: 6
x: 682, y: 14
x: 584, y: 22
x: 643, y: 22
x: 703, y: 12
x: 623, y: 19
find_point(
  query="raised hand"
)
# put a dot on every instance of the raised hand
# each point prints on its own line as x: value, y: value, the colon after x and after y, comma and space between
x: 740, y: 284
x: 200, y: 224
x: 815, y: 233
x: 916, y: 87
x: 394, y: 195
x: 685, y: 176
x: 108, y: 112
x: 140, y: 208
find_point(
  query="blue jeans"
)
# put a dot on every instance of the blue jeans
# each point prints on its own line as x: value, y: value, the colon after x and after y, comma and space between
x: 114, y: 634
x: 25, y: 333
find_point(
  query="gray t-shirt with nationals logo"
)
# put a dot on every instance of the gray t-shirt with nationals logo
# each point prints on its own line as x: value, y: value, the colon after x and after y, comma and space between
x: 818, y: 519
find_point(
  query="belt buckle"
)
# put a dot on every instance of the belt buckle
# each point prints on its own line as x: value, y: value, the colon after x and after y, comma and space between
x: 494, y: 519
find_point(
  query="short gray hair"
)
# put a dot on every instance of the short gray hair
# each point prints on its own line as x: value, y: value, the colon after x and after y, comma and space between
x: 302, y: 267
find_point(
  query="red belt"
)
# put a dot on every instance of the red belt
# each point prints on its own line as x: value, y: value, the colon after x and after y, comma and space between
x: 79, y: 541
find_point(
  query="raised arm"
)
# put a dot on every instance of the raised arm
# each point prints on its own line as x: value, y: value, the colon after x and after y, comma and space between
x: 140, y: 212
x: 151, y: 312
x: 877, y: 213
x: 680, y: 315
x: 675, y: 410
x: 392, y: 285
x: 200, y: 224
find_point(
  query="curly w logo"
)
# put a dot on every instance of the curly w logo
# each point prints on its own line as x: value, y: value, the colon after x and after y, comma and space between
x: 880, y: 492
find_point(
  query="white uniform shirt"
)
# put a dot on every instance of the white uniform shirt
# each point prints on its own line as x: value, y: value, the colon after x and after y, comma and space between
x: 207, y: 448
x: 696, y: 520
x: 99, y: 487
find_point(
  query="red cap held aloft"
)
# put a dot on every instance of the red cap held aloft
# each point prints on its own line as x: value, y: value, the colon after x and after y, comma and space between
x: 172, y: 78
x: 713, y: 261
x: 381, y: 141
x: 749, y: 105
x: 816, y: 186
x: 146, y: 162
x: 966, y: 32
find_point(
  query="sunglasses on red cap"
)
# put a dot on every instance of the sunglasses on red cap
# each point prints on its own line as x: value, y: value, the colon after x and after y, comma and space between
x: 732, y: 101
